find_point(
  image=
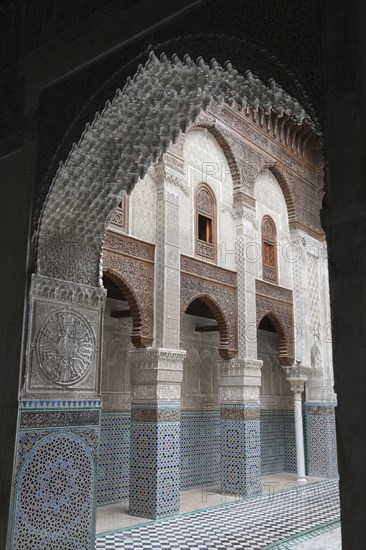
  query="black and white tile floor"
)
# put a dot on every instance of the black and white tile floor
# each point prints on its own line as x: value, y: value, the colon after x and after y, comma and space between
x: 271, y: 521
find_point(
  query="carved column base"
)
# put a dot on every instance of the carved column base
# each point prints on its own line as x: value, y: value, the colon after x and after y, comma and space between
x: 53, y: 499
x: 156, y: 376
x: 239, y: 384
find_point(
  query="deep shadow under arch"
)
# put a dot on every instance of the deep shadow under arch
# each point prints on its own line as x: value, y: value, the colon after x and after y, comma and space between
x: 284, y: 346
x: 220, y: 319
x: 137, y: 337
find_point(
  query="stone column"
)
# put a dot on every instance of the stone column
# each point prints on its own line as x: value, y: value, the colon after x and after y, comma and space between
x: 246, y: 256
x: 167, y: 303
x: 321, y: 427
x: 156, y: 376
x: 55, y: 471
x: 239, y: 385
x: 297, y: 377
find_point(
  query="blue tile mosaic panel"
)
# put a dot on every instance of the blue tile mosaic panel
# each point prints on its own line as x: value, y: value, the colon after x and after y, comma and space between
x: 278, y: 447
x: 240, y: 450
x: 155, y: 460
x: 200, y: 448
x: 114, y: 458
x: 321, y: 440
x: 55, y: 470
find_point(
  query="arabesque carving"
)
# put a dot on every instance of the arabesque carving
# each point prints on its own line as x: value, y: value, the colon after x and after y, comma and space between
x: 217, y: 288
x: 131, y: 134
x: 276, y: 303
x: 65, y: 347
x: 130, y: 263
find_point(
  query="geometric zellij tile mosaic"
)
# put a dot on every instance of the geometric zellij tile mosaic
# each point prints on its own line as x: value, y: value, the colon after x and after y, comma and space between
x: 271, y: 521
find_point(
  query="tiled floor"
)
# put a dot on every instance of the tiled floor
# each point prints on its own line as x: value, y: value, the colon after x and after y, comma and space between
x: 116, y: 516
x: 331, y: 540
x: 275, y: 520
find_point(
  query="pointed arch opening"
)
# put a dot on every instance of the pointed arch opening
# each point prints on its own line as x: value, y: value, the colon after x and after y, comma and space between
x: 121, y: 144
x: 271, y: 320
x: 206, y: 307
x: 205, y: 223
x: 117, y: 287
x: 269, y: 250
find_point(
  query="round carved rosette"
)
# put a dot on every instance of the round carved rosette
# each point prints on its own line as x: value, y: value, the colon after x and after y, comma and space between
x: 65, y: 347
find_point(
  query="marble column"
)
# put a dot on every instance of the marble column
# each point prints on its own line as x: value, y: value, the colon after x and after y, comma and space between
x: 297, y: 377
x: 156, y: 376
x: 239, y: 384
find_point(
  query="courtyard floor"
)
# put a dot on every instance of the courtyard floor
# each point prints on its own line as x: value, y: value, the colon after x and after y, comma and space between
x: 287, y: 515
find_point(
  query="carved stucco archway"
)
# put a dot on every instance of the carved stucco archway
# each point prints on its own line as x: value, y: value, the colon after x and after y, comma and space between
x: 222, y: 140
x: 141, y: 332
x: 220, y: 318
x: 285, y: 346
x: 122, y: 142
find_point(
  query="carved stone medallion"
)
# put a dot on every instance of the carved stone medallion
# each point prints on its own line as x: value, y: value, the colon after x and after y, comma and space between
x: 65, y: 347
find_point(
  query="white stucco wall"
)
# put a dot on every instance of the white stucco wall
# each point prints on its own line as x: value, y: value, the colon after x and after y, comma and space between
x: 142, y: 212
x: 206, y: 162
x: 200, y: 376
x: 271, y: 202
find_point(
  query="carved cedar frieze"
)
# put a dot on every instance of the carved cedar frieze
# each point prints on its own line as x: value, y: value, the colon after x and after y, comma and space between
x: 277, y: 303
x: 132, y: 261
x: 129, y: 246
x: 65, y: 291
x: 217, y: 288
x: 209, y: 271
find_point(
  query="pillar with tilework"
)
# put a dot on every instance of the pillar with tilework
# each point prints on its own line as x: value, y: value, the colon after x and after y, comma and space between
x: 156, y: 376
x: 239, y: 384
x: 320, y: 429
x: 53, y: 500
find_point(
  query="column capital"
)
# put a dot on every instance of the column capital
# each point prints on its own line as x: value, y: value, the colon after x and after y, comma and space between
x: 320, y: 390
x: 297, y: 372
x: 297, y: 376
x: 239, y: 380
x: 156, y: 374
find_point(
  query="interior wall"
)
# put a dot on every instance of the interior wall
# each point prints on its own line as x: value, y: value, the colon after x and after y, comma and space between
x: 114, y: 458
x: 270, y: 201
x: 200, y: 420
x: 206, y: 162
x: 278, y: 449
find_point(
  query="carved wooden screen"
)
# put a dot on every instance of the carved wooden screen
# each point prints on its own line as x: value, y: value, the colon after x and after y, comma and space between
x: 269, y: 251
x: 205, y: 223
x: 120, y: 216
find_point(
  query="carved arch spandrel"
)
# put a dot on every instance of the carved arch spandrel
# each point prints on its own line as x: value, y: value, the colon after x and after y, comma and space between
x: 286, y: 190
x: 136, y: 283
x: 224, y: 141
x: 222, y: 304
x: 276, y: 303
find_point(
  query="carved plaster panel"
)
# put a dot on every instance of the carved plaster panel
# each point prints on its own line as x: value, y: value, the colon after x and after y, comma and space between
x: 156, y: 374
x: 132, y: 262
x: 64, y: 291
x: 206, y: 283
x: 277, y: 303
x: 63, y: 352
